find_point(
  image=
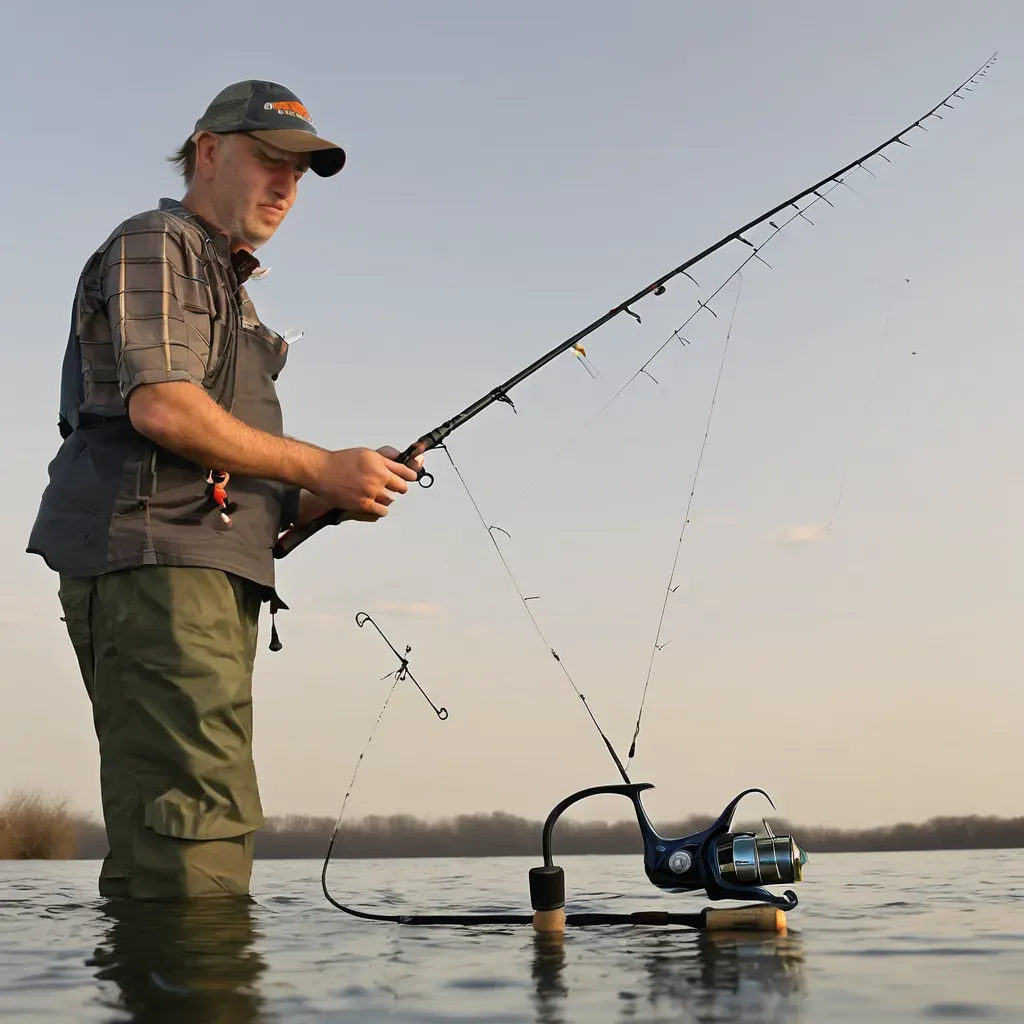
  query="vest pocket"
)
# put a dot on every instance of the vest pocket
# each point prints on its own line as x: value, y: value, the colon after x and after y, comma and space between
x: 138, y: 481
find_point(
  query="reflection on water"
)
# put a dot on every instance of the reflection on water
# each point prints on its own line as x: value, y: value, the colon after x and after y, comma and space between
x: 731, y: 977
x: 883, y: 938
x: 550, y: 988
x: 708, y: 976
x: 192, y: 961
x: 163, y: 962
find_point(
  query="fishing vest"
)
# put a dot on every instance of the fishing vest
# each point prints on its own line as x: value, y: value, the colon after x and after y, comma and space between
x: 116, y: 500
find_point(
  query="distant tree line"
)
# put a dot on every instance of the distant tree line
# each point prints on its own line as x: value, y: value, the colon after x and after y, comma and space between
x: 31, y: 827
x: 505, y: 835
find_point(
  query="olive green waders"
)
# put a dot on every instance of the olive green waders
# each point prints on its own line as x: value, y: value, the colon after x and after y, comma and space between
x: 166, y: 653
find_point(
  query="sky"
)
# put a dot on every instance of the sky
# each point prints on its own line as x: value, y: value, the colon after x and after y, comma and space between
x: 845, y: 629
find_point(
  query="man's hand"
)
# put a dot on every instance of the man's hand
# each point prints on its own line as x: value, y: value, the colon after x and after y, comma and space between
x: 363, y: 482
x: 312, y: 506
x: 393, y: 453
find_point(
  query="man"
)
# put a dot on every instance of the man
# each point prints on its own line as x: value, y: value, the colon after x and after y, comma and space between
x: 171, y: 486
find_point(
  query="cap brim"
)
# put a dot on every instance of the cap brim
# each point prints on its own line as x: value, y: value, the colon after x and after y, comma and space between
x: 325, y: 158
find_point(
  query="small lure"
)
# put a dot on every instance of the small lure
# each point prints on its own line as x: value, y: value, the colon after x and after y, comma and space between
x: 218, y: 481
x: 581, y: 354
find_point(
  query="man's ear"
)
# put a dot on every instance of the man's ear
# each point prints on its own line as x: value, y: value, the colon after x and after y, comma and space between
x: 207, y: 147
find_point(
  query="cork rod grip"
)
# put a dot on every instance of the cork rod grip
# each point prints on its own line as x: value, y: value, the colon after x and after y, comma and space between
x: 746, y: 919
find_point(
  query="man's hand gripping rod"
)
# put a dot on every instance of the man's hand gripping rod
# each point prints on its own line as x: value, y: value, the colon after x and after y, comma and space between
x: 291, y: 539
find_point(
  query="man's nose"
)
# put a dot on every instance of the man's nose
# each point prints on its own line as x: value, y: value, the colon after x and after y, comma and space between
x: 285, y: 185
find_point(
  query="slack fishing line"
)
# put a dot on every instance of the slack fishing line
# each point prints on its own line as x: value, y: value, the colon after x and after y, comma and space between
x: 722, y: 863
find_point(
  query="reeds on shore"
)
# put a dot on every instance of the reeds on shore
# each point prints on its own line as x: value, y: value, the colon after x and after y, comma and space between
x: 33, y: 827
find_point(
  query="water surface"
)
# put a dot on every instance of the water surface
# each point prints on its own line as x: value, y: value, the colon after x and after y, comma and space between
x: 884, y: 937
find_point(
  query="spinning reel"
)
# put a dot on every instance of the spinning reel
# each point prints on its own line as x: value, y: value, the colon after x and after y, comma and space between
x: 722, y: 863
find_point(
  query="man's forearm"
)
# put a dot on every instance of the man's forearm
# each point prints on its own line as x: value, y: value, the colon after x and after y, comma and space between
x: 182, y: 418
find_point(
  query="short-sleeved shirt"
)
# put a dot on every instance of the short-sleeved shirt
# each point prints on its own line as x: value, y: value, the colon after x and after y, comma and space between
x: 162, y: 299
x: 150, y: 307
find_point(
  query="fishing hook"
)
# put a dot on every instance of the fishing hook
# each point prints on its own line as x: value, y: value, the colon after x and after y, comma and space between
x: 402, y: 672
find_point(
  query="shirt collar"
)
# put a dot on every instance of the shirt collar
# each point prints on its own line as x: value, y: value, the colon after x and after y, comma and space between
x: 243, y: 263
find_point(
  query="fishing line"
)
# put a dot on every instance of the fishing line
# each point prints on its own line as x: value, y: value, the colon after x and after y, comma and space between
x: 676, y: 334
x: 362, y: 754
x: 669, y: 588
x: 536, y: 625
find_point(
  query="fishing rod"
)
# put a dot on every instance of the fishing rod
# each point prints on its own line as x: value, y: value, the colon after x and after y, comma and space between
x: 292, y: 538
x: 722, y: 863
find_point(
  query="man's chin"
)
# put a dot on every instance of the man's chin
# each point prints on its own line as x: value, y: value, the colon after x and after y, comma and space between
x: 254, y: 239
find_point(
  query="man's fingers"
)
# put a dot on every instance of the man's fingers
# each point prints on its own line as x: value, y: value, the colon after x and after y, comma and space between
x: 370, y: 507
x: 395, y: 483
x: 403, y: 471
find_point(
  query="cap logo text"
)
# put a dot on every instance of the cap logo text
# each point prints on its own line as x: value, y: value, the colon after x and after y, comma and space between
x: 290, y: 107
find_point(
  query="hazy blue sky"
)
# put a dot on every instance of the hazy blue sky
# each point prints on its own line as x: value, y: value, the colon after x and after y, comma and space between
x: 514, y: 171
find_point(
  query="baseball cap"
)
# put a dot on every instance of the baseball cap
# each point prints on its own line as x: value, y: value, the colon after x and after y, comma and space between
x: 275, y: 114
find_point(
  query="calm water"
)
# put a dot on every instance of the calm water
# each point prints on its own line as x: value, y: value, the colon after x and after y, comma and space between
x: 889, y: 937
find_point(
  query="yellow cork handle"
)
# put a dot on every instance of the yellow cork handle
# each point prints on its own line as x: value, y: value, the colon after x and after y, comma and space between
x: 549, y: 920
x: 746, y: 919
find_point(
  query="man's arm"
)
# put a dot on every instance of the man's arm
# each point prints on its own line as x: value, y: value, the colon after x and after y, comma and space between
x: 159, y: 312
x: 182, y: 418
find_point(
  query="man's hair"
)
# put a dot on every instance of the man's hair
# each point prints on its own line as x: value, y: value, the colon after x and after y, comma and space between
x: 184, y: 159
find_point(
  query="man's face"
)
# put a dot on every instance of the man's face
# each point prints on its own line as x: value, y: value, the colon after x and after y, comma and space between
x: 251, y: 185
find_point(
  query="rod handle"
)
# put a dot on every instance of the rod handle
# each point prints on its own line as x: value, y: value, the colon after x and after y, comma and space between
x: 291, y: 539
x: 745, y: 919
